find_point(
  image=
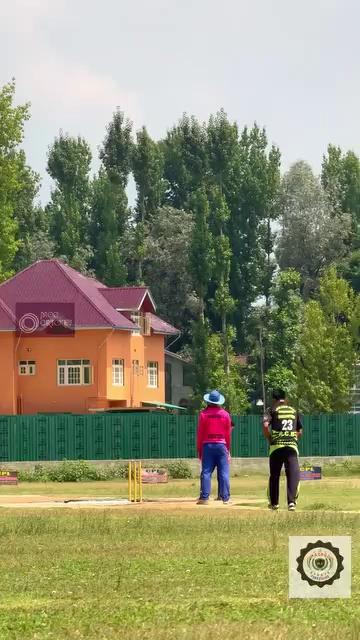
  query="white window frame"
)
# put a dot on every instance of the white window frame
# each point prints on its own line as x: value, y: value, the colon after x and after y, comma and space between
x: 152, y: 374
x: 118, y: 372
x: 64, y: 370
x: 27, y: 367
x: 136, y: 319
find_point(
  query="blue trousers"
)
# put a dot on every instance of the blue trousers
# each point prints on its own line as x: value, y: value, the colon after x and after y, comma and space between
x: 215, y: 455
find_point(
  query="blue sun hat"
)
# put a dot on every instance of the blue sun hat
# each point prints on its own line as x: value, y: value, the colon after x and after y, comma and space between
x: 214, y: 397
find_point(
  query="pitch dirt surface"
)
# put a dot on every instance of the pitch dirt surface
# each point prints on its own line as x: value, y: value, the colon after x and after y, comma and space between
x: 339, y: 494
x: 94, y: 502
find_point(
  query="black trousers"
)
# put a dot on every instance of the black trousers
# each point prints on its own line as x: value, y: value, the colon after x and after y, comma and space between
x: 288, y: 457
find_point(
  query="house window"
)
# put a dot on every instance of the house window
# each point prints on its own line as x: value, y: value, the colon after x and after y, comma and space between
x: 152, y: 372
x: 118, y: 372
x: 136, y: 318
x: 27, y: 367
x: 74, y: 372
x: 142, y: 320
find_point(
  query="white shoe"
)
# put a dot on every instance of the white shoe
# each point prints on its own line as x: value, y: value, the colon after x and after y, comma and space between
x: 291, y: 506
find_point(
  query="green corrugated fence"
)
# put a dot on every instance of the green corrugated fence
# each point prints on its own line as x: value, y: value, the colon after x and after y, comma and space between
x: 156, y: 435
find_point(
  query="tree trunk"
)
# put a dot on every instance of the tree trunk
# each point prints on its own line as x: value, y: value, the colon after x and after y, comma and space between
x: 262, y: 367
x: 225, y: 343
x: 268, y: 265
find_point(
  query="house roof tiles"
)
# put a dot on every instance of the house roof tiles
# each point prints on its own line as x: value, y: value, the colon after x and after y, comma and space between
x: 160, y: 326
x: 7, y: 318
x: 51, y: 281
x: 127, y: 298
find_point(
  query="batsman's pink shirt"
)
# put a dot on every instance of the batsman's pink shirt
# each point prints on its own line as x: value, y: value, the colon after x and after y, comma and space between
x: 214, y: 426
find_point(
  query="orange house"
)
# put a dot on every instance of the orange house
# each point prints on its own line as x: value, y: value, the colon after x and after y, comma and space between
x: 110, y: 353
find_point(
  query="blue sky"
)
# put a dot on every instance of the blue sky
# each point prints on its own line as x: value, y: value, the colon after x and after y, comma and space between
x: 291, y: 66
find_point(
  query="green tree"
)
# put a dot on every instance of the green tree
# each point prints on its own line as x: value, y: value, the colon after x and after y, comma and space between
x: 283, y: 332
x: 117, y: 149
x: 311, y: 237
x: 231, y: 383
x: 223, y: 302
x: 250, y: 206
x: 267, y: 233
x: 167, y: 267
x: 340, y: 177
x: 341, y: 180
x: 285, y: 318
x: 109, y: 210
x: 69, y: 161
x: 12, y: 119
x: 201, y: 268
x: 148, y: 165
x: 328, y: 347
x: 33, y: 238
x: 185, y: 161
x: 222, y: 148
x: 107, y: 230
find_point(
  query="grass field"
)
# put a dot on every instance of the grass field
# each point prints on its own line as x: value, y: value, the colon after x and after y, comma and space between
x: 149, y: 572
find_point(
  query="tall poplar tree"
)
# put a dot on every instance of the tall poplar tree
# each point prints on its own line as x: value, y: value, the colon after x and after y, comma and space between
x: 185, y: 161
x: 201, y: 266
x: 223, y: 302
x: 148, y: 165
x: 110, y: 212
x: 69, y: 163
x: 250, y: 207
x: 12, y: 120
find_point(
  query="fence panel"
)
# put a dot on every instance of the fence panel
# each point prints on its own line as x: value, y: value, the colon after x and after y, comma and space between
x: 120, y: 436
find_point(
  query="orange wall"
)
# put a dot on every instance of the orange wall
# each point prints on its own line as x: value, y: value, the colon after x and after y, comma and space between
x: 41, y: 393
x: 143, y: 349
x: 8, y: 377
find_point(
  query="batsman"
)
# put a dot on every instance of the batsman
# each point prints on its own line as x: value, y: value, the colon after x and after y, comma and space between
x: 282, y: 427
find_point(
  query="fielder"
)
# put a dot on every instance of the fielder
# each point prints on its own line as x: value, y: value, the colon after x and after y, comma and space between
x: 282, y: 428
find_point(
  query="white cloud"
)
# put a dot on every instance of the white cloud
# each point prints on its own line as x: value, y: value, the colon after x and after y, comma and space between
x: 69, y: 88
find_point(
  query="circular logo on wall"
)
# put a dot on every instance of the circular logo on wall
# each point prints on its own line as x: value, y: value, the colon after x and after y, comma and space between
x: 28, y: 323
x: 320, y: 563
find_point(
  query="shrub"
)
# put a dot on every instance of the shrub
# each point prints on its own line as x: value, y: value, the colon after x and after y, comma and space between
x: 80, y: 471
x: 73, y: 471
x: 346, y: 468
x: 179, y: 469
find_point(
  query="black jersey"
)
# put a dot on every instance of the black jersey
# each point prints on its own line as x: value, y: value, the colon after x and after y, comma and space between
x: 285, y: 424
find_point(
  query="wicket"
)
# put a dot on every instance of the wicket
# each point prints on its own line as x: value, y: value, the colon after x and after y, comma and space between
x: 135, y: 481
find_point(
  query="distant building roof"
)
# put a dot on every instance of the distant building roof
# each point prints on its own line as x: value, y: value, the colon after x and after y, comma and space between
x: 95, y: 305
x: 178, y: 356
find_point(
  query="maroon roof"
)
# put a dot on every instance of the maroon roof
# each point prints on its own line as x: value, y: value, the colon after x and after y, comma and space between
x: 129, y: 298
x: 7, y: 318
x: 95, y: 305
x: 160, y: 326
x: 53, y: 281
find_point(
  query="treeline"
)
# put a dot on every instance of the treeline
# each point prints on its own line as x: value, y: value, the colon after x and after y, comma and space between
x: 244, y: 260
